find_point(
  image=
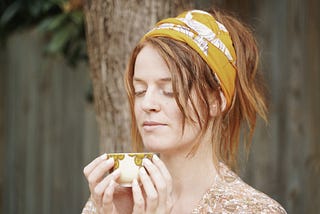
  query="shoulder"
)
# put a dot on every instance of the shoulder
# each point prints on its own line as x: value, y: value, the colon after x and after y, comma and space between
x: 232, y: 195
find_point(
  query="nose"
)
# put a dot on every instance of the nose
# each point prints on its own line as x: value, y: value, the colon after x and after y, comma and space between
x: 150, y: 102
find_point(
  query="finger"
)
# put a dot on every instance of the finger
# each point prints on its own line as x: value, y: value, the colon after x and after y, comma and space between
x: 149, y: 189
x: 99, y: 171
x: 168, y: 179
x: 138, y: 200
x: 107, y: 201
x: 88, y: 169
x: 158, y: 181
x: 96, y: 176
x: 164, y: 171
x: 100, y: 187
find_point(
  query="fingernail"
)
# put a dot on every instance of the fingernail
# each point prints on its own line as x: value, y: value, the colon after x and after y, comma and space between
x: 143, y: 171
x: 155, y: 157
x: 111, y: 160
x: 104, y: 156
x: 146, y: 161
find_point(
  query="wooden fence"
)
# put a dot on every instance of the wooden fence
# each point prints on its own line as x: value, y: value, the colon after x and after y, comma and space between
x: 285, y: 161
x: 49, y: 129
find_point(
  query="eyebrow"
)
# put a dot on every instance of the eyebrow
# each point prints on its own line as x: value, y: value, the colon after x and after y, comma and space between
x: 166, y: 79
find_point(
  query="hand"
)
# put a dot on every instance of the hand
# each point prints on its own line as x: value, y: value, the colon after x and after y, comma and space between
x: 156, y: 196
x: 102, y: 187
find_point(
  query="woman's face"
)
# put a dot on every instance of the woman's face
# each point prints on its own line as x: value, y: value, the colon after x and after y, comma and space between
x: 158, y: 117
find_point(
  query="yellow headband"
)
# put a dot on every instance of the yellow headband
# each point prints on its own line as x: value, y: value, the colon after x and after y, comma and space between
x: 210, y: 39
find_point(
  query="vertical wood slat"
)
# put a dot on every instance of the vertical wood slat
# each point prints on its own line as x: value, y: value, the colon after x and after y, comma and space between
x: 261, y: 167
x: 312, y: 87
x: 295, y: 122
x: 51, y: 130
x: 3, y: 144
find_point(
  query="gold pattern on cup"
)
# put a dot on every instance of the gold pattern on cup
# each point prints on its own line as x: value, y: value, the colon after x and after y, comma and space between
x: 139, y: 157
x: 116, y: 158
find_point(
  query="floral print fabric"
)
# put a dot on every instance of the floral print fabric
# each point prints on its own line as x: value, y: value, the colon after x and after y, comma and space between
x: 230, y: 194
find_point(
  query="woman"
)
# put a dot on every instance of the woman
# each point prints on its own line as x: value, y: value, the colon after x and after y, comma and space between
x: 192, y: 83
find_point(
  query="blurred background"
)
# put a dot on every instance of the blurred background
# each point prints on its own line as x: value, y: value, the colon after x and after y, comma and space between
x: 52, y: 123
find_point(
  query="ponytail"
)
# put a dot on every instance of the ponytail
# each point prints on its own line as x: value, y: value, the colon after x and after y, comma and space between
x: 249, y: 101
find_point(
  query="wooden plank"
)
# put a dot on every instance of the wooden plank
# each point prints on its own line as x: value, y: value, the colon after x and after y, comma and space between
x: 295, y: 99
x: 49, y: 124
x: 312, y: 87
x: 3, y: 78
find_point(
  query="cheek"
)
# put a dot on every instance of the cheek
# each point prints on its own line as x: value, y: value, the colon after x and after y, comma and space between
x: 136, y: 111
x: 175, y: 114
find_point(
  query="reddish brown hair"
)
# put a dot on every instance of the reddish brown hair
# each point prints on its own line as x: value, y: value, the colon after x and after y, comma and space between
x: 191, y: 73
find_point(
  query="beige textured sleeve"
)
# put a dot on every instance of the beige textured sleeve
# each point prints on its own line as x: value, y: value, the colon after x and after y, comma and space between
x: 89, y: 208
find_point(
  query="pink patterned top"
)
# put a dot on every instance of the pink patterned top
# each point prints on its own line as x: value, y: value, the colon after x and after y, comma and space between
x: 229, y: 194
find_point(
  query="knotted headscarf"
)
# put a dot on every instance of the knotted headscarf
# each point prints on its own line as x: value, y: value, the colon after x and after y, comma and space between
x: 202, y: 32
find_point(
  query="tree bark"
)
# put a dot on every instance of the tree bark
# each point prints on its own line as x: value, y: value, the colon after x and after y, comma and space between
x: 112, y: 29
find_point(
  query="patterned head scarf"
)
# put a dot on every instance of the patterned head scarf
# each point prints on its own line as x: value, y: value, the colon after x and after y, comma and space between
x: 210, y: 39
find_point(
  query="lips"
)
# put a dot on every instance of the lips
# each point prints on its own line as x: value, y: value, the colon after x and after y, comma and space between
x: 151, y: 125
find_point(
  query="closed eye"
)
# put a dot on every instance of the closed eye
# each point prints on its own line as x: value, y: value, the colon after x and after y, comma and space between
x: 168, y: 93
x: 139, y: 93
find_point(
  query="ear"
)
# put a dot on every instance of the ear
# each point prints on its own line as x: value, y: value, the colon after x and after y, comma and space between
x: 214, y: 107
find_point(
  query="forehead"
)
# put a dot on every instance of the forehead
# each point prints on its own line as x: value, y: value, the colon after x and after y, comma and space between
x: 149, y: 64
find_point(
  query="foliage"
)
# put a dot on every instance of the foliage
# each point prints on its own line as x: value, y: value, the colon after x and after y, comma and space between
x: 61, y: 21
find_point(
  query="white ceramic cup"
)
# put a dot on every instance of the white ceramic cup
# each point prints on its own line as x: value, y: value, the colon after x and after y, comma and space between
x: 129, y: 165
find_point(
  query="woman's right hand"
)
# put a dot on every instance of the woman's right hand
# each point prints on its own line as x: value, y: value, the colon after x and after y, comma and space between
x: 102, y: 187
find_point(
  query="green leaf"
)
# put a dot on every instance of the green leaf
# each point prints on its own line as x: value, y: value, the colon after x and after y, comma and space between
x: 77, y: 17
x: 10, y: 12
x: 60, y: 39
x: 35, y: 9
x: 52, y: 23
x: 47, y: 6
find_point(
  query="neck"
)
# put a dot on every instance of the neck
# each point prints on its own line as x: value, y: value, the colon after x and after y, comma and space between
x: 192, y: 176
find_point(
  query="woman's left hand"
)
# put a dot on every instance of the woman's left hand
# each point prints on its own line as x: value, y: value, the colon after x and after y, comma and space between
x: 157, y: 187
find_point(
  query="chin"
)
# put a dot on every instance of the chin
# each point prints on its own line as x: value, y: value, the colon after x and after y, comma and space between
x: 156, y: 147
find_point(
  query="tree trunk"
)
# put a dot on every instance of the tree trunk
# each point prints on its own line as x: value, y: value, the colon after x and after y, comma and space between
x: 113, y: 28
